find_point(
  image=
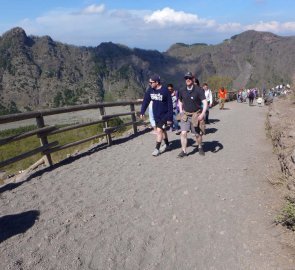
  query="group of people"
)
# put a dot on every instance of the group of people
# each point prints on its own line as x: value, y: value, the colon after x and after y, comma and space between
x: 185, y: 111
x: 250, y: 94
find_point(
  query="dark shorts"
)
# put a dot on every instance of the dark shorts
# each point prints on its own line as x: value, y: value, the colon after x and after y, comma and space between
x: 161, y: 124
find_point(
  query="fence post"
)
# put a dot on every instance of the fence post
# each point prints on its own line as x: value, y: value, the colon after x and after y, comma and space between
x: 133, y: 117
x: 43, y: 139
x: 105, y: 123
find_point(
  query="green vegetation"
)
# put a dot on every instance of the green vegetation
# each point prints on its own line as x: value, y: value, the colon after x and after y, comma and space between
x: 15, y: 148
x: 12, y: 108
x: 67, y: 97
x: 287, y: 216
x: 216, y: 82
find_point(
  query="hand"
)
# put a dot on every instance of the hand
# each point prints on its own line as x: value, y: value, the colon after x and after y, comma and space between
x: 201, y: 116
x: 142, y: 117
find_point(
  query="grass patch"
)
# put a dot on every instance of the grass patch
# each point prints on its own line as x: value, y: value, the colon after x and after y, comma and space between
x: 15, y: 148
x: 287, y: 216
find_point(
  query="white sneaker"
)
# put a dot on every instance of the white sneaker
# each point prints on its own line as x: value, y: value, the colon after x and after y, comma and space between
x: 156, y: 152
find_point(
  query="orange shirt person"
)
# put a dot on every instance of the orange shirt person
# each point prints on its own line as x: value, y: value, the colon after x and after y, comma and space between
x: 222, y: 97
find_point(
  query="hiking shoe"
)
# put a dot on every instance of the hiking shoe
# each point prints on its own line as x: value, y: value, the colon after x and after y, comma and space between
x: 165, y: 148
x: 156, y: 152
x: 201, y: 152
x: 182, y: 154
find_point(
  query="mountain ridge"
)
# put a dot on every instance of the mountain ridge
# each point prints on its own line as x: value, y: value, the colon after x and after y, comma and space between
x: 38, y: 72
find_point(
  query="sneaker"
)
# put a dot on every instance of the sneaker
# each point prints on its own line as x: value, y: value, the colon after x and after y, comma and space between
x: 201, y: 151
x: 156, y: 152
x: 165, y: 148
x: 177, y: 132
x: 182, y: 154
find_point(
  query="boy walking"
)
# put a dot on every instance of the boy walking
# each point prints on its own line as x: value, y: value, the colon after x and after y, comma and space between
x: 162, y: 110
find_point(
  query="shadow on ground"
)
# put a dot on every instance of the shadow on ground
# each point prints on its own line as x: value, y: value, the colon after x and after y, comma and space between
x: 211, y: 130
x: 213, y: 121
x: 213, y: 146
x: 11, y: 225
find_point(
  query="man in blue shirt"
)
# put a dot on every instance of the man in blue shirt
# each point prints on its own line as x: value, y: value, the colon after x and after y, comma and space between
x: 162, y: 110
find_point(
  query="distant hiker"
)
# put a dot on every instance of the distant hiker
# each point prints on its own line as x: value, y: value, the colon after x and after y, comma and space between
x: 174, y: 95
x: 251, y: 96
x: 162, y: 110
x: 259, y: 101
x: 209, y: 98
x: 222, y: 97
x: 191, y: 113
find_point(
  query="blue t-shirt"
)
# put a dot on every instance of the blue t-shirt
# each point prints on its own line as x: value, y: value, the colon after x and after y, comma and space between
x: 162, y: 104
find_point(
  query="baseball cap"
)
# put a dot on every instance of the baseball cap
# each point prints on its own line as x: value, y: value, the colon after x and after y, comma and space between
x: 155, y: 78
x: 188, y: 75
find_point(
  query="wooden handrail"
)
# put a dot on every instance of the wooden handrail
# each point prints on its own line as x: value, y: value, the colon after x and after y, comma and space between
x: 29, y: 115
x: 26, y: 135
x: 44, y: 131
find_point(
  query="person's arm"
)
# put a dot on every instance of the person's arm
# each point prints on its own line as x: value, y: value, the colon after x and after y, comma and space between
x: 205, y: 105
x: 180, y: 107
x: 145, y: 103
x: 210, y: 98
x: 170, y: 108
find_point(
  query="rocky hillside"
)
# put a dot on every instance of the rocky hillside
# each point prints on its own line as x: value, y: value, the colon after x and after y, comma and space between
x: 37, y: 72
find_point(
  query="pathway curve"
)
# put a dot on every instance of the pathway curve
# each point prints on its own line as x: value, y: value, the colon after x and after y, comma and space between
x: 120, y: 208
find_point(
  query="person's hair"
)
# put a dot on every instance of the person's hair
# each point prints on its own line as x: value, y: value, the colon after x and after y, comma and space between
x: 197, y: 82
x: 205, y: 84
x: 170, y: 85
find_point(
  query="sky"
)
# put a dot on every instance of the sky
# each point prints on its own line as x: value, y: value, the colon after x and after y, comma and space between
x: 152, y: 25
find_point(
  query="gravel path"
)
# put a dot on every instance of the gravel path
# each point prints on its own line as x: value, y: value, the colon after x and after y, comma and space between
x: 120, y: 208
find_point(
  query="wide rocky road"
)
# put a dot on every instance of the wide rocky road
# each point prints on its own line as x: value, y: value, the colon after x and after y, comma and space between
x: 121, y: 208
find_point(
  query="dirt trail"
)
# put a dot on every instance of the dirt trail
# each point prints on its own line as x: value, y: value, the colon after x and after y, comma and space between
x: 120, y: 208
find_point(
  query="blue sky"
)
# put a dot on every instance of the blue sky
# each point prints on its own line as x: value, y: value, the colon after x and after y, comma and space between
x: 146, y: 24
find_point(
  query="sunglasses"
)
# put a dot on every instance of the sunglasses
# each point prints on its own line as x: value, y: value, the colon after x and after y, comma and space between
x: 188, y: 78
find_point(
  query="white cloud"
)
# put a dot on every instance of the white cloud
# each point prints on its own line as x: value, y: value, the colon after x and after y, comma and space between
x: 93, y: 9
x: 229, y: 27
x: 136, y: 28
x: 272, y: 26
x: 168, y: 16
x: 289, y: 26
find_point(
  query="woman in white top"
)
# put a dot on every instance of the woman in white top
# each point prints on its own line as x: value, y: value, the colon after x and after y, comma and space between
x: 209, y: 98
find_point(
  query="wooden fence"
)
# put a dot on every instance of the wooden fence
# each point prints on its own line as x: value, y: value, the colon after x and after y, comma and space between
x: 44, y: 131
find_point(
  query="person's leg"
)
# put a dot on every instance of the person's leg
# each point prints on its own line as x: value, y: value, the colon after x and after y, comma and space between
x: 199, y: 140
x: 175, y: 122
x: 207, y: 117
x: 185, y: 127
x: 183, y: 139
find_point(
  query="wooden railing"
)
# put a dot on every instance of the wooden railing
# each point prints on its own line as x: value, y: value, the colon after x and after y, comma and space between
x: 44, y: 131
